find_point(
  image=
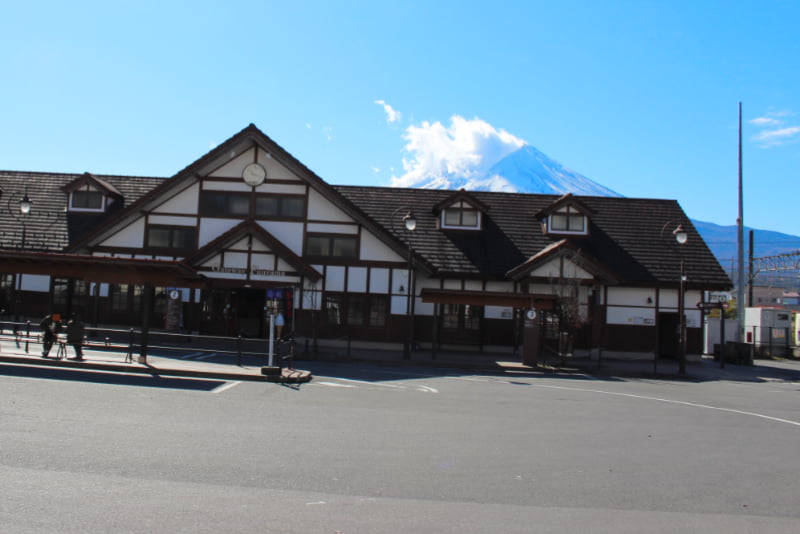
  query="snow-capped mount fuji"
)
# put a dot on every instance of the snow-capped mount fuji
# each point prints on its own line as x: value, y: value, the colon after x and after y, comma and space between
x: 528, y: 170
x: 525, y: 170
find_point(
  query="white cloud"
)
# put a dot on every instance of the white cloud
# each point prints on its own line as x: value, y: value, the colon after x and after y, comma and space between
x: 781, y: 133
x: 765, y: 121
x: 392, y: 115
x: 773, y: 129
x: 465, y: 149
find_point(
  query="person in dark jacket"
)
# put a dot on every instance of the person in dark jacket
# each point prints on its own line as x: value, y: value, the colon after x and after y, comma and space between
x: 51, y: 326
x: 75, y: 332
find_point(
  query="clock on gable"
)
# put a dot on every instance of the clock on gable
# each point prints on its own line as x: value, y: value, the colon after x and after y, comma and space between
x: 254, y: 174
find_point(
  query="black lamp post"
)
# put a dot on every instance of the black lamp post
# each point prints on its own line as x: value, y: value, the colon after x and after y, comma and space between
x: 681, y: 237
x: 410, y: 223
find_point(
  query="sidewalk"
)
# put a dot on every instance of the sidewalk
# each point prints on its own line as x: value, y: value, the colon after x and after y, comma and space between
x: 97, y: 359
x: 704, y: 369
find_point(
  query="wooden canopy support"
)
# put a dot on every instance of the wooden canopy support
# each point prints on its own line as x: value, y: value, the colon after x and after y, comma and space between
x: 101, y: 269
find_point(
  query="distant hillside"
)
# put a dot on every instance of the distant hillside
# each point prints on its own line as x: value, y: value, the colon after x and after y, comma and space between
x: 723, y: 241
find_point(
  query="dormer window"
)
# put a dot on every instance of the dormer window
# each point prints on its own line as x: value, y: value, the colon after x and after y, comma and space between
x: 86, y: 199
x: 90, y: 194
x: 460, y: 211
x: 461, y: 217
x: 567, y: 220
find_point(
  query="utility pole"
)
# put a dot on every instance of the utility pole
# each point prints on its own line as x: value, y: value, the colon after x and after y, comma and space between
x: 740, y: 304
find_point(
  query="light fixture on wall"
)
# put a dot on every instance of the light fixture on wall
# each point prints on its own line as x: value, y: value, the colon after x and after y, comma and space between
x: 401, y: 289
x: 649, y: 300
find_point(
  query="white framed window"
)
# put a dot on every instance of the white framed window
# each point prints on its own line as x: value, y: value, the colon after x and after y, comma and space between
x: 87, y: 198
x: 461, y: 216
x: 567, y: 220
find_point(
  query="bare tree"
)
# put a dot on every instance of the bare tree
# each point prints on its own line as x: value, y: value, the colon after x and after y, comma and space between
x: 572, y: 316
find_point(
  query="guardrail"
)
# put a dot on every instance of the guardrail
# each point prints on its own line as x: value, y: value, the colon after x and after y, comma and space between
x: 132, y: 342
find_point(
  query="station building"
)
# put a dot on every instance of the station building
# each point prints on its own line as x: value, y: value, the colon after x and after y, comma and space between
x: 247, y: 232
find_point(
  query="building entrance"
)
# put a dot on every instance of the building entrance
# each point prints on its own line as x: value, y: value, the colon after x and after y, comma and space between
x: 235, y: 311
x: 245, y: 311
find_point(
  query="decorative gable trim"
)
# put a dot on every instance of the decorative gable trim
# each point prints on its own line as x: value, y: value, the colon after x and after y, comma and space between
x: 246, y: 229
x: 568, y: 250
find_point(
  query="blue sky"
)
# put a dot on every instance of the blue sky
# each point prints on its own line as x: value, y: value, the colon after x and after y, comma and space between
x: 641, y: 97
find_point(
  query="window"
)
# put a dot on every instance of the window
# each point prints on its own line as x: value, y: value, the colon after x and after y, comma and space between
x: 333, y: 308
x: 462, y: 316
x: 220, y: 204
x: 465, y: 218
x: 377, y: 311
x: 331, y: 246
x: 280, y: 206
x: 356, y: 304
x: 568, y: 219
x: 356, y: 309
x: 86, y: 199
x: 171, y: 237
x: 119, y: 297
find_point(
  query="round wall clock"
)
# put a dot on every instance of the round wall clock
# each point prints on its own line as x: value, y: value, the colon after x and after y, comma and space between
x: 254, y: 174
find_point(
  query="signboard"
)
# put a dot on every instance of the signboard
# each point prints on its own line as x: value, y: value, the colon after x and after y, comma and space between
x: 712, y: 305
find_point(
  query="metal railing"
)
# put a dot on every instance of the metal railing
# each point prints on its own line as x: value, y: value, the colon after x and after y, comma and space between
x: 131, y: 342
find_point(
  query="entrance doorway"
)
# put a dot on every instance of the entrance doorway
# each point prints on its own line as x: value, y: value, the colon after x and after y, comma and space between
x: 668, y: 335
x: 235, y: 311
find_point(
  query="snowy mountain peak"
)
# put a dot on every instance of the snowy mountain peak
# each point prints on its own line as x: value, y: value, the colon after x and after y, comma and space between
x: 525, y: 170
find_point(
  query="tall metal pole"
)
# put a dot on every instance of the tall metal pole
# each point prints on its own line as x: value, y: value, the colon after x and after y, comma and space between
x: 740, y: 304
x: 409, y: 345
x: 681, y: 324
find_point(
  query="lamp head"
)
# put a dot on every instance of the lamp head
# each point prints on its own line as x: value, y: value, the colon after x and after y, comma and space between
x: 25, y: 205
x: 680, y: 235
x: 410, y: 221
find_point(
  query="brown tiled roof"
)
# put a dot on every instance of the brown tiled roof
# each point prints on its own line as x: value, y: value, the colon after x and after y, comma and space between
x: 627, y: 236
x: 48, y: 226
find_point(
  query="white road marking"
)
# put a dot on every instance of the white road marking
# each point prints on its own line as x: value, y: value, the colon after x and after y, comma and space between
x: 427, y: 389
x: 671, y: 401
x: 332, y: 384
x: 192, y: 355
x: 225, y: 386
x: 207, y: 356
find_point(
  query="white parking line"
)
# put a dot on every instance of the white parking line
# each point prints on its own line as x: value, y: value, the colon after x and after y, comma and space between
x: 224, y: 387
x: 671, y: 401
x: 191, y: 355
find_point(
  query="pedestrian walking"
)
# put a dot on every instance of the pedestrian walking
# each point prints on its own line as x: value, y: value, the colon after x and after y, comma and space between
x: 75, y: 330
x: 51, y: 326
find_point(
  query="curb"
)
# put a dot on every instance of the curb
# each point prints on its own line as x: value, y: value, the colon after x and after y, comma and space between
x: 287, y: 376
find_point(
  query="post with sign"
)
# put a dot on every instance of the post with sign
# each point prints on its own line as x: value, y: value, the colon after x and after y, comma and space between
x: 720, y: 305
x: 530, y: 338
x: 269, y: 311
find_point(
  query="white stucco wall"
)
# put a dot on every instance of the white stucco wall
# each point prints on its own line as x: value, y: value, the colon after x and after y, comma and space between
x: 321, y: 209
x: 130, y: 236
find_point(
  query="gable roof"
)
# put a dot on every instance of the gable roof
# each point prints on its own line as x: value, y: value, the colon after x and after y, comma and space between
x: 461, y: 195
x: 565, y: 200
x: 97, y: 183
x: 250, y: 227
x: 566, y: 249
x: 235, y: 145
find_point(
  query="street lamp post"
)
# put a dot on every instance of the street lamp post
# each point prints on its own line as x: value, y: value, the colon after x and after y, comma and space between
x: 21, y: 211
x: 410, y: 223
x: 681, y: 237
